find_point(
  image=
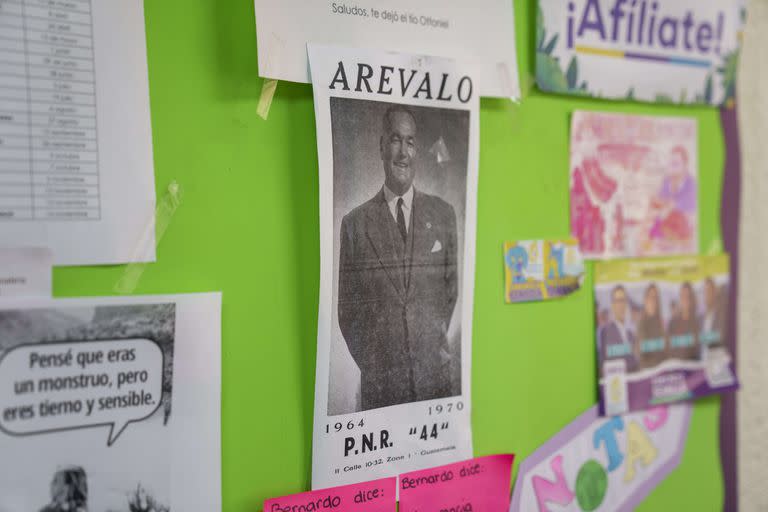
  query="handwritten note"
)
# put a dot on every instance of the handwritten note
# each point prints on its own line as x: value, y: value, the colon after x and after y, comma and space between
x: 374, y: 496
x: 480, y: 484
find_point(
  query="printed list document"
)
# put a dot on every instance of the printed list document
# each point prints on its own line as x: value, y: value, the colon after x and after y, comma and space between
x: 76, y: 170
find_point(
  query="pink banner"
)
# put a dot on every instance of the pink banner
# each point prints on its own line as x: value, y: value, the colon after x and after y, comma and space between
x: 472, y: 485
x: 374, y: 496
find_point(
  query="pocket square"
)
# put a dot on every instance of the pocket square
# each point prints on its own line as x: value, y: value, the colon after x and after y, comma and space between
x: 437, y: 247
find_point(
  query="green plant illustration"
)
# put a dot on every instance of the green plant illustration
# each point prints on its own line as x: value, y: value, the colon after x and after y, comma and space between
x: 708, y: 94
x: 727, y: 72
x: 549, y: 75
x: 728, y: 69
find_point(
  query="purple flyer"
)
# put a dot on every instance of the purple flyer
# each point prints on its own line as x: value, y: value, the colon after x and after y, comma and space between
x: 661, y: 327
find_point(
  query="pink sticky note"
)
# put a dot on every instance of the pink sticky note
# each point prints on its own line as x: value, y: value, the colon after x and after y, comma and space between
x: 374, y: 496
x: 480, y: 484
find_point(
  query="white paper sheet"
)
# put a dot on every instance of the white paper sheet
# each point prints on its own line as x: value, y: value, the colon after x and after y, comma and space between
x: 102, y: 399
x: 392, y: 391
x: 76, y: 171
x: 25, y: 272
x: 480, y: 33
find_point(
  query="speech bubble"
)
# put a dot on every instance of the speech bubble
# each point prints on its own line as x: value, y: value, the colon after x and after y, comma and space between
x: 50, y: 387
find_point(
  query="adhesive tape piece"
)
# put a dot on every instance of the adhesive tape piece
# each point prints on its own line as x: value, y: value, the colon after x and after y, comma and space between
x: 265, y: 101
x: 508, y: 80
x: 164, y: 212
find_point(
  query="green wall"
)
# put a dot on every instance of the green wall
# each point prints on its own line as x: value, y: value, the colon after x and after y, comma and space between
x: 248, y: 225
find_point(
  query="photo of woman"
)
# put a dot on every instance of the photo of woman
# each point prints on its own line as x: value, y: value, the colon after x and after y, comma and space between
x: 651, y: 339
x: 683, y: 329
x: 675, y: 205
x: 712, y: 321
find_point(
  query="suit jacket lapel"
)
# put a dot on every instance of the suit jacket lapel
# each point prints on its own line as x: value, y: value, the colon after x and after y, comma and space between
x: 380, y: 236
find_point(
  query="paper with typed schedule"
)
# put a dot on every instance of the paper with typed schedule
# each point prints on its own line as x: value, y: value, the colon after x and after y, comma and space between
x: 76, y: 169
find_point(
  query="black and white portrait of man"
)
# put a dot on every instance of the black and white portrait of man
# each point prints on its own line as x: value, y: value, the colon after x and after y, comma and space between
x: 400, y: 184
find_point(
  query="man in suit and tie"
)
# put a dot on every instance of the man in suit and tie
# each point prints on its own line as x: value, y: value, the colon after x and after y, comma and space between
x: 398, y: 280
x: 615, y: 339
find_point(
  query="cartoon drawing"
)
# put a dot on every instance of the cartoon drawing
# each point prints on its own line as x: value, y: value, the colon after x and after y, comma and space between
x: 556, y: 262
x: 517, y: 261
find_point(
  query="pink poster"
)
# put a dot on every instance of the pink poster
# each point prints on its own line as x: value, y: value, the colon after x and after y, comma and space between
x: 634, y: 185
x: 375, y: 496
x: 475, y: 484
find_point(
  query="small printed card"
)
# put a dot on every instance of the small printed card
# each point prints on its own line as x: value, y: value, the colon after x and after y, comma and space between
x: 541, y: 269
x: 480, y: 484
x: 374, y: 496
x: 603, y: 464
x: 661, y: 327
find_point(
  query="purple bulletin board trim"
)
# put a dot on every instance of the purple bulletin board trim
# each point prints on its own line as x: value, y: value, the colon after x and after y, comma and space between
x: 577, y: 426
x: 730, y: 211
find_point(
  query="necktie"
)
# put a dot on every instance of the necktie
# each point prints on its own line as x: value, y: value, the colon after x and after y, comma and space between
x: 401, y: 219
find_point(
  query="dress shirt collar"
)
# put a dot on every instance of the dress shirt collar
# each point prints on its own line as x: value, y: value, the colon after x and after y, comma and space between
x: 391, y: 199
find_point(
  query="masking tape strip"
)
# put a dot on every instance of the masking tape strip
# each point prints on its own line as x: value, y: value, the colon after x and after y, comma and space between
x: 507, y: 80
x: 265, y: 101
x: 164, y: 212
x: 274, y: 52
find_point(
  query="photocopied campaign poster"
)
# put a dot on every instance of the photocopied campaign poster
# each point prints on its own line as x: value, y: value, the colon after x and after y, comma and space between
x: 603, y: 464
x: 634, y: 185
x: 662, y: 51
x: 661, y: 327
x: 397, y: 139
x: 480, y: 33
x: 102, y: 400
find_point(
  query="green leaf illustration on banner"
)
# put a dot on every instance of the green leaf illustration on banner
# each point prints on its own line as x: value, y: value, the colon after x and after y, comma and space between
x: 572, y: 74
x: 727, y: 73
x: 706, y: 97
x: 549, y: 74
